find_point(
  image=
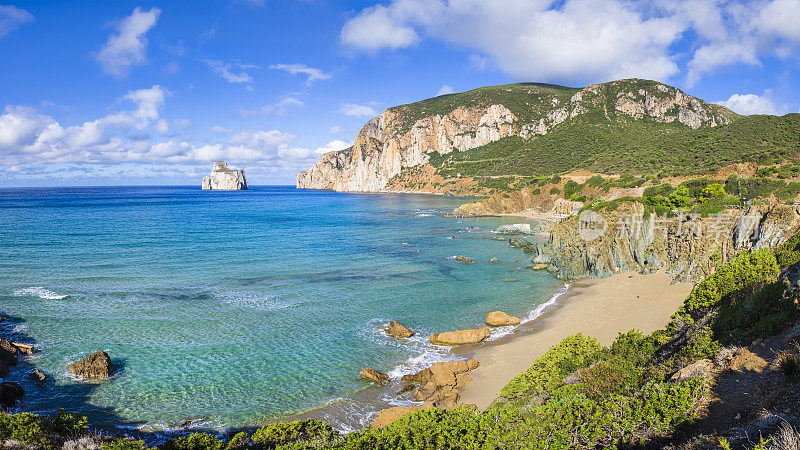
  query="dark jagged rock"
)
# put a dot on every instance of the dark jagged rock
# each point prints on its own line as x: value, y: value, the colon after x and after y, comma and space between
x: 10, y: 393
x: 97, y: 365
x: 37, y: 377
x: 8, y: 353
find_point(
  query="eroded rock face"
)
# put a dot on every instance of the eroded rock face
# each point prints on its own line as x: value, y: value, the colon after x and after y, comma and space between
x: 460, y: 337
x: 501, y: 319
x: 389, y: 143
x: 373, y: 375
x: 8, y: 353
x: 95, y: 366
x: 398, y: 330
x: 223, y: 178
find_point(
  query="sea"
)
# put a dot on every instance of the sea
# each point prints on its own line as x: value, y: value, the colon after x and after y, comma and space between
x: 234, y: 309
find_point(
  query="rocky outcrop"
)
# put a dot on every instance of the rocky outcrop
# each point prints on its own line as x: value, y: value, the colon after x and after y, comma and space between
x: 501, y: 319
x: 8, y: 353
x: 389, y: 415
x: 463, y: 259
x: 406, y: 136
x: 95, y: 366
x: 10, y: 393
x: 223, y: 178
x: 600, y: 244
x: 398, y: 330
x: 37, y: 377
x: 459, y: 337
x: 373, y: 375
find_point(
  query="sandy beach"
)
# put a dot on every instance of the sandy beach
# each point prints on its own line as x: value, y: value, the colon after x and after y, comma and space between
x: 599, y: 308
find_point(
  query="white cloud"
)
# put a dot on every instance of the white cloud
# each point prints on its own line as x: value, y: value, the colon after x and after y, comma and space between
x: 127, y: 47
x: 336, y: 129
x: 350, y: 109
x: 11, y: 18
x: 445, y: 89
x: 225, y: 70
x: 586, y: 40
x: 313, y: 74
x: 282, y: 108
x: 752, y: 104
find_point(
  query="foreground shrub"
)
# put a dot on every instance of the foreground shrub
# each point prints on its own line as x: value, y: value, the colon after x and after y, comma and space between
x: 300, y: 430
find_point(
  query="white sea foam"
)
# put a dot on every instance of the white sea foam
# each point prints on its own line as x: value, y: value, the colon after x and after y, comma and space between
x: 38, y: 291
x: 539, y: 310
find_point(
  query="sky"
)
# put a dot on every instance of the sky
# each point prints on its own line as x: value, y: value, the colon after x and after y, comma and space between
x: 151, y: 93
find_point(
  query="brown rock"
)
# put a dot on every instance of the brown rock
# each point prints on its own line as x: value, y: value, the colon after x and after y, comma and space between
x: 398, y: 330
x: 501, y: 319
x: 463, y: 259
x: 494, y: 260
x: 539, y: 266
x: 389, y: 415
x: 38, y: 377
x: 462, y: 380
x: 8, y: 353
x: 23, y: 348
x: 453, y: 366
x: 450, y: 401
x: 373, y: 375
x: 425, y: 392
x: 460, y: 337
x: 423, y: 376
x: 96, y: 365
x: 406, y: 388
x: 700, y: 369
x: 10, y: 393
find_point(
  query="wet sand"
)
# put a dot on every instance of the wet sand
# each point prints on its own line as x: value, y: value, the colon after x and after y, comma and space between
x: 599, y: 308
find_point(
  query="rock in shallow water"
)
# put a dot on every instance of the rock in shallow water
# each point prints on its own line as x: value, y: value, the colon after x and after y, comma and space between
x: 373, y: 375
x: 8, y: 353
x: 463, y: 259
x: 398, y: 330
x: 501, y: 319
x: 460, y: 337
x: 97, y: 365
x: 519, y: 243
x: 37, y: 377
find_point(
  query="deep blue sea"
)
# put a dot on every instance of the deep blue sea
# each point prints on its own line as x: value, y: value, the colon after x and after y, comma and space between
x: 239, y: 307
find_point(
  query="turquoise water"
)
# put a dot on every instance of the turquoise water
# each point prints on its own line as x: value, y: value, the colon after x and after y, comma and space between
x: 239, y: 307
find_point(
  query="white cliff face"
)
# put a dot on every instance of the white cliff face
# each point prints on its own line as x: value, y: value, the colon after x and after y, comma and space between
x: 224, y: 179
x: 385, y: 145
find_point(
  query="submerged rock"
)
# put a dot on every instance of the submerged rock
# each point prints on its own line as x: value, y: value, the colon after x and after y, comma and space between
x: 459, y: 337
x: 373, y: 375
x: 223, y: 178
x: 463, y: 259
x: 398, y: 330
x: 97, y: 365
x: 10, y: 393
x: 501, y: 319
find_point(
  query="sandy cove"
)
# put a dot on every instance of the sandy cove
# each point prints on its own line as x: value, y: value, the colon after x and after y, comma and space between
x: 599, y: 308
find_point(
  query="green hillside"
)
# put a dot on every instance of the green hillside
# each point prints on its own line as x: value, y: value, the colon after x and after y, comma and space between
x: 624, y: 144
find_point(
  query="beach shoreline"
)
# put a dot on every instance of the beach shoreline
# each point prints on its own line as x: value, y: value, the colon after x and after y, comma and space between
x: 601, y: 308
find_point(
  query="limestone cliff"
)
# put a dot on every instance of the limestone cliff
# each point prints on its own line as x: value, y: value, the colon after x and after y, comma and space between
x: 223, y: 178
x: 407, y: 136
x: 599, y: 244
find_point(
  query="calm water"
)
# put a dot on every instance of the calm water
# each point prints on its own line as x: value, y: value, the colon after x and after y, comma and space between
x: 238, y: 307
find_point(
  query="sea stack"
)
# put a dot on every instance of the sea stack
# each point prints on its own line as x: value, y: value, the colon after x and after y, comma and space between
x: 223, y: 178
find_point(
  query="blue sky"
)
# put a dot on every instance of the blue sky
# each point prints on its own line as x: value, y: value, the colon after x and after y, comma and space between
x: 120, y: 92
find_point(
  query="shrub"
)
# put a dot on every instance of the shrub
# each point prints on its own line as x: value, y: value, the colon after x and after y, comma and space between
x: 124, y: 444
x: 70, y: 424
x: 789, y: 362
x: 24, y: 427
x: 195, y: 441
x: 286, y: 432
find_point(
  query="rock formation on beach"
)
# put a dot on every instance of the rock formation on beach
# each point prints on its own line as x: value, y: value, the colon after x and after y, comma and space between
x: 459, y: 337
x: 501, y: 319
x: 398, y: 330
x: 373, y: 375
x: 95, y: 366
x: 223, y: 178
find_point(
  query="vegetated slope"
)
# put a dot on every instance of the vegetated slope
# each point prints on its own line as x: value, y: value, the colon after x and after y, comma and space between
x: 568, y: 126
x: 623, y: 144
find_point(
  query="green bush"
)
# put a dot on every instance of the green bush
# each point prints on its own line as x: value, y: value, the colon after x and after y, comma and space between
x: 25, y: 427
x: 195, y: 441
x: 300, y: 430
x: 69, y: 424
x: 124, y: 444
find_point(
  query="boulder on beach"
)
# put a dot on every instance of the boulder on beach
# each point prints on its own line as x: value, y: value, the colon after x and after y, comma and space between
x: 398, y: 330
x: 97, y: 365
x: 501, y: 319
x: 440, y: 382
x: 519, y: 243
x: 373, y: 375
x: 10, y: 393
x: 37, y: 377
x: 459, y: 337
x: 463, y: 259
x: 8, y: 353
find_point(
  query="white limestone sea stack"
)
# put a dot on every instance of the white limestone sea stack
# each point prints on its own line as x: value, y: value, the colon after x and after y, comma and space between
x: 223, y: 178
